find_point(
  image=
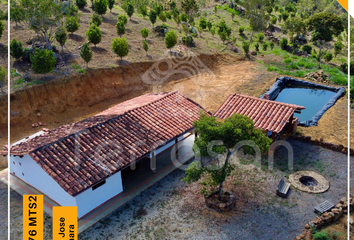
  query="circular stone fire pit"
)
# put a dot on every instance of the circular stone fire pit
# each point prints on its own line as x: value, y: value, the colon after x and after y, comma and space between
x: 309, y: 181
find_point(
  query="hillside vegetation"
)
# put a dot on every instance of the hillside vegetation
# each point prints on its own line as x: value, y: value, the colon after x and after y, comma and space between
x: 301, y: 36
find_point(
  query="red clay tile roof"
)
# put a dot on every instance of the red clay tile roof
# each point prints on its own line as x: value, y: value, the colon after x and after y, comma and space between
x: 266, y: 114
x: 82, y: 154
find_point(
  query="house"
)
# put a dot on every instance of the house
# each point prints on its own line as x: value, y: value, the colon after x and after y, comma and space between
x: 81, y: 164
x: 270, y: 116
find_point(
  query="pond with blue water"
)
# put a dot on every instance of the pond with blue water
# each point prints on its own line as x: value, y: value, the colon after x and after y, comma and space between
x: 311, y: 98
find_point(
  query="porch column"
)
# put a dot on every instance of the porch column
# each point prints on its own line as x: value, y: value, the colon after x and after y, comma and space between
x: 153, y: 160
x: 290, y: 126
x: 273, y: 136
x: 176, y: 144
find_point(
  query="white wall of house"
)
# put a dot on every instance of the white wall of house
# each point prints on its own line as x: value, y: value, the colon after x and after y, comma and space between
x: 30, y: 172
x: 90, y: 199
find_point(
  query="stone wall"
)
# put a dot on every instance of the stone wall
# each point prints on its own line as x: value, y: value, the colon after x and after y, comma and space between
x: 327, y: 218
x: 327, y: 145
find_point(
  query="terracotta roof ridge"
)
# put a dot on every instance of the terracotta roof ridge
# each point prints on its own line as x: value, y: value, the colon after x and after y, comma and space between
x: 266, y: 100
x: 167, y: 94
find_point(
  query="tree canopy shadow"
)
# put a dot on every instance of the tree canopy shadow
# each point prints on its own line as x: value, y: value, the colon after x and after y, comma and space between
x: 76, y: 37
x: 134, y: 21
x: 96, y: 49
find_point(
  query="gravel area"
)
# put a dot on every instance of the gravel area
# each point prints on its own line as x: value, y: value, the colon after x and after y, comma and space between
x: 172, y: 209
x: 3, y: 211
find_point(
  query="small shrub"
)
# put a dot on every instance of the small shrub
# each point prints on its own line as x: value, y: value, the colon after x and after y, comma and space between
x: 271, y: 45
x: 144, y: 32
x: 16, y: 49
x: 163, y: 17
x: 293, y: 66
x: 260, y: 37
x: 321, y: 236
x: 246, y: 47
x: 328, y: 57
x: 123, y: 19
x: 81, y: 3
x: 265, y: 46
x: 85, y: 54
x: 256, y: 45
x: 71, y: 24
x: 284, y: 43
x: 120, y: 47
x: 94, y: 34
x: 287, y: 60
x: 241, y: 29
x: 96, y: 20
x: 81, y: 71
x: 170, y: 39
x: 145, y: 46
x: 273, y: 69
x: 43, y: 61
x: 338, y: 47
x: 307, y: 48
x: 100, y: 6
x: 203, y: 23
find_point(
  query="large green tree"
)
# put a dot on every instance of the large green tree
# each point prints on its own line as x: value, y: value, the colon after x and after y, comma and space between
x: 295, y: 25
x: 190, y: 7
x: 324, y: 26
x: 17, y: 13
x: 231, y: 131
x: 42, y: 16
x: 257, y: 14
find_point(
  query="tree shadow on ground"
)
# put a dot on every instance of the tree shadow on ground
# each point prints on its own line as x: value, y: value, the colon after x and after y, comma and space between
x: 85, y: 10
x: 76, y: 37
x: 134, y: 21
x: 110, y: 21
x: 243, y: 36
x: 96, y: 49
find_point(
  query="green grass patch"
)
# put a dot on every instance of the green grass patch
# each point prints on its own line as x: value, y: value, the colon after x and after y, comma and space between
x: 19, y: 81
x: 300, y: 74
x: 82, y: 71
x: 292, y: 66
x: 287, y: 60
x: 13, y: 73
x: 75, y: 66
x: 273, y: 69
x: 38, y: 82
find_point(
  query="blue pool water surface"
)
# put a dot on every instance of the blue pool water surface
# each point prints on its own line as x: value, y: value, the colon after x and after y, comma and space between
x: 310, y: 98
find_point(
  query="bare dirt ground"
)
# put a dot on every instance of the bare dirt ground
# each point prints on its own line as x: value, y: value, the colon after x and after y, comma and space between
x: 173, y: 210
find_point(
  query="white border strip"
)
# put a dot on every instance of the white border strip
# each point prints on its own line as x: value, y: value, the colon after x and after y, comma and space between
x: 8, y: 119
